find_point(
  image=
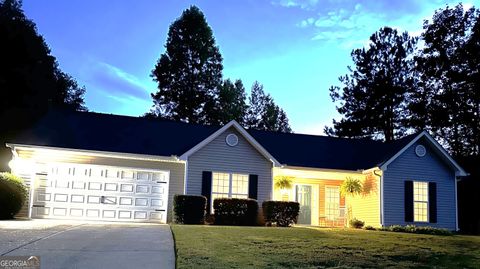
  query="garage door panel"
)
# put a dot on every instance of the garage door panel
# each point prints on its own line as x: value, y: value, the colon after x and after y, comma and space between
x: 101, y: 193
x: 77, y: 198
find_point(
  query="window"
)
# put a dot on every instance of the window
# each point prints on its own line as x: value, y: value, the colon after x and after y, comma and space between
x: 332, y: 202
x: 226, y: 185
x: 420, y: 201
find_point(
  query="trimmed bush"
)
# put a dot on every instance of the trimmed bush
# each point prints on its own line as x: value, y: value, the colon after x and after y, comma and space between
x: 13, y: 194
x: 370, y: 228
x: 281, y: 213
x: 357, y: 224
x: 189, y: 209
x: 234, y: 211
x: 417, y: 230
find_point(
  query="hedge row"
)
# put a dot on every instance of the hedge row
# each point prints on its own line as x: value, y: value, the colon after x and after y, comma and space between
x: 191, y: 209
x: 281, y: 213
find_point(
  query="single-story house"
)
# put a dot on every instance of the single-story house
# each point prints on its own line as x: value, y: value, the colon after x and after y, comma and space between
x: 84, y: 165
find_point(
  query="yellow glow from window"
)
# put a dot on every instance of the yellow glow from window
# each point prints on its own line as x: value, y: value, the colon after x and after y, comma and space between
x: 420, y: 201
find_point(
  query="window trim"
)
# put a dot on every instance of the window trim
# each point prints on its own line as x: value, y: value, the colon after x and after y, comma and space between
x: 427, y: 202
x: 230, y: 185
x: 325, y: 200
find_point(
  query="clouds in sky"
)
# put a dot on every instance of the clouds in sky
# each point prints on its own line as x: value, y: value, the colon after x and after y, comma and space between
x: 124, y: 91
x: 350, y: 23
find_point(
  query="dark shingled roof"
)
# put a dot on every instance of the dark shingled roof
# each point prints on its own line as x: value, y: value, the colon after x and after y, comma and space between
x: 115, y: 133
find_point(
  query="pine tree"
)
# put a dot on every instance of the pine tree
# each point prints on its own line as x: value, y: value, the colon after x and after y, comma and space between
x: 263, y: 113
x: 231, y: 103
x: 447, y: 98
x: 372, y: 98
x: 30, y: 79
x: 189, y: 72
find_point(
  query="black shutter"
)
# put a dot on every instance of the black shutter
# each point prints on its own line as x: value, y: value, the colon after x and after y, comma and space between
x: 432, y: 202
x: 408, y: 201
x: 252, y: 186
x: 207, y: 188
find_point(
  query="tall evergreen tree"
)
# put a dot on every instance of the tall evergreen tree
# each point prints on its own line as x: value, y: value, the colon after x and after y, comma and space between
x: 447, y: 99
x: 372, y: 98
x: 231, y: 103
x: 189, y: 72
x: 30, y: 79
x: 263, y: 113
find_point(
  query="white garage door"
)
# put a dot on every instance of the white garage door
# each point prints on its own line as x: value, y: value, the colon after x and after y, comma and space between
x: 91, y: 192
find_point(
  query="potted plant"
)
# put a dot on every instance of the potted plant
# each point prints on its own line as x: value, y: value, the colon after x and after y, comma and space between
x: 349, y: 188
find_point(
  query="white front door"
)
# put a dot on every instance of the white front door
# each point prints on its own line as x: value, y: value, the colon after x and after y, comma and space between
x: 93, y: 192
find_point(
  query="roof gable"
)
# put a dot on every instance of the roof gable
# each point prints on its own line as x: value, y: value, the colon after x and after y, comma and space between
x: 438, y: 149
x: 241, y: 131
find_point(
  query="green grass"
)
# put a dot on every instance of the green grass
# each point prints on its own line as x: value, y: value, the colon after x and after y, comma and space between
x: 268, y: 247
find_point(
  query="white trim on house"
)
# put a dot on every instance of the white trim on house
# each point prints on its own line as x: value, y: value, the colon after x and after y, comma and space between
x: 120, y: 155
x: 303, y: 168
x: 445, y: 155
x: 242, y: 131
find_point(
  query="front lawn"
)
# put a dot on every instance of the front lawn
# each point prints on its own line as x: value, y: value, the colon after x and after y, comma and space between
x: 267, y: 247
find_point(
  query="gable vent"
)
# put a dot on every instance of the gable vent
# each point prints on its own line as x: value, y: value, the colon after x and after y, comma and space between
x: 232, y: 140
x: 420, y: 150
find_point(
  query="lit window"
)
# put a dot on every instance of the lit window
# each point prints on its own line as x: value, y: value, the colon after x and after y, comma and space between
x: 332, y: 202
x: 420, y: 201
x: 225, y: 185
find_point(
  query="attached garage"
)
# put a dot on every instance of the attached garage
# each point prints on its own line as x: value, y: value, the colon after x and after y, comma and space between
x: 95, y: 192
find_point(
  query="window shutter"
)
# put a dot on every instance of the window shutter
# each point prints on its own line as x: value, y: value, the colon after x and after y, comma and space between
x: 432, y: 202
x: 252, y: 186
x: 408, y: 201
x: 207, y: 188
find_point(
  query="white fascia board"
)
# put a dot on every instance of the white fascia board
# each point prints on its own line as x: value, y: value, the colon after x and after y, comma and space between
x: 243, y: 132
x: 120, y: 155
x: 321, y: 169
x: 460, y: 171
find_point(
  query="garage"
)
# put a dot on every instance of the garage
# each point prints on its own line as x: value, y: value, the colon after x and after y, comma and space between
x: 95, y: 192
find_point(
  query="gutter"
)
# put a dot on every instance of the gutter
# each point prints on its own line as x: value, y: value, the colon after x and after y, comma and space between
x: 96, y: 153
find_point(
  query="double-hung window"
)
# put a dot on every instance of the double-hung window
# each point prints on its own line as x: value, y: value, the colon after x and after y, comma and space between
x: 420, y: 201
x: 229, y: 185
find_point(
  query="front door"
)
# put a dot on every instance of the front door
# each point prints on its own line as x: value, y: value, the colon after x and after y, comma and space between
x: 304, y: 198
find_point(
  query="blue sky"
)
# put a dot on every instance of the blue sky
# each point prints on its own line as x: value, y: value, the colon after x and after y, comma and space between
x: 296, y: 48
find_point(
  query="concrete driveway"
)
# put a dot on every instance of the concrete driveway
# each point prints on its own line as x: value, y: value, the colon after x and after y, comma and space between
x: 66, y: 244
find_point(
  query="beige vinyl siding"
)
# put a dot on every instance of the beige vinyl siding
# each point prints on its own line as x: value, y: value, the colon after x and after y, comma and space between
x: 177, y: 169
x: 366, y: 206
x: 217, y: 156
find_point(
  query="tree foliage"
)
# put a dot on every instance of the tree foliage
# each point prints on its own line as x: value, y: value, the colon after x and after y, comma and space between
x: 190, y: 85
x: 396, y: 88
x: 231, y: 103
x: 189, y: 72
x: 263, y: 113
x: 446, y: 99
x: 372, y: 97
x: 30, y: 79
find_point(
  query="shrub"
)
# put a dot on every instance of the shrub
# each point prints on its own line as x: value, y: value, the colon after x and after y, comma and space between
x: 189, y: 209
x: 13, y: 194
x: 417, y: 229
x: 355, y: 223
x: 234, y: 211
x: 370, y: 228
x: 281, y: 213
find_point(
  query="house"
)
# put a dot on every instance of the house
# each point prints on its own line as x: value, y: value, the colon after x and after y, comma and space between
x: 83, y: 165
